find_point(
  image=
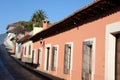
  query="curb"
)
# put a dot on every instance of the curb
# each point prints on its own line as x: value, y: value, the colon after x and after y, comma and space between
x: 50, y: 77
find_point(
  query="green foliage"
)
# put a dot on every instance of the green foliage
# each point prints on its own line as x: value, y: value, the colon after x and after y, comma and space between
x: 38, y: 17
x: 28, y: 26
x: 19, y: 29
x: 36, y: 21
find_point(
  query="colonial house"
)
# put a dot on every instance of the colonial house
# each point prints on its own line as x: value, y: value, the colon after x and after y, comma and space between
x: 9, y: 44
x: 24, y: 46
x: 83, y: 46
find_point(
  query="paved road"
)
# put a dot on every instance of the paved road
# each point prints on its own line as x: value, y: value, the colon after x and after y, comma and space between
x: 10, y: 70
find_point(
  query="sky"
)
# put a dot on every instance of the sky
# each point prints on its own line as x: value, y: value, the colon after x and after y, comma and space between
x: 12, y: 11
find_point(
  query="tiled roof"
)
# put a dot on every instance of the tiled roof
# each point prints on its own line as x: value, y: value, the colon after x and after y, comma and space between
x: 25, y: 38
x: 80, y: 17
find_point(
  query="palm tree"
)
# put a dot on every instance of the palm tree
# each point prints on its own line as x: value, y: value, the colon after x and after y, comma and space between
x: 38, y: 17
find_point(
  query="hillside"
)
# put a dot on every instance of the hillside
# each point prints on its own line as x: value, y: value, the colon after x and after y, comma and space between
x: 2, y: 36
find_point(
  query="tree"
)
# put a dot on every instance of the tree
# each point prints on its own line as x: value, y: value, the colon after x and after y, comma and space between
x: 36, y: 20
x: 38, y: 17
x: 28, y: 26
x: 24, y: 26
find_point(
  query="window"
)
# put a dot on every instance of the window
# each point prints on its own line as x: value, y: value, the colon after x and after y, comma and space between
x: 67, y: 58
x: 25, y: 50
x: 39, y: 56
x: 87, y: 60
x: 34, y: 56
x: 29, y: 49
x: 19, y: 48
x: 54, y: 57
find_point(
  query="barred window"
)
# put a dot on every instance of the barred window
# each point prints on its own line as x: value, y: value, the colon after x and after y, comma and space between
x: 87, y: 60
x: 67, y: 58
x: 54, y: 57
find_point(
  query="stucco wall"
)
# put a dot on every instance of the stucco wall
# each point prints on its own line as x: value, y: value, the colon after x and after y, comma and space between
x: 36, y: 30
x: 27, y: 57
x: 94, y: 29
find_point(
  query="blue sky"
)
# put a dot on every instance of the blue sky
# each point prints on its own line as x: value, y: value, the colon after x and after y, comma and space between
x: 16, y: 10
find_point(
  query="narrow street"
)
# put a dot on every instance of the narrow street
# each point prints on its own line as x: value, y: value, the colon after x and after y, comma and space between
x: 10, y: 70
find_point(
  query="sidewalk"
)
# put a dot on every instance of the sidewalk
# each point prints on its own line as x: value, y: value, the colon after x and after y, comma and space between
x: 51, y: 77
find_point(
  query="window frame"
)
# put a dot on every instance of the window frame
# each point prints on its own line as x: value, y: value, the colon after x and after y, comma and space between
x: 45, y: 57
x: 91, y: 41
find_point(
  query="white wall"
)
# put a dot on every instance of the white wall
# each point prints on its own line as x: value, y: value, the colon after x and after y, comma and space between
x: 36, y: 30
x: 9, y: 44
x: 27, y: 44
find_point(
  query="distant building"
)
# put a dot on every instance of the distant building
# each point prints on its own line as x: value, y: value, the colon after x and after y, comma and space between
x: 12, y: 36
x: 24, y: 44
x: 2, y: 37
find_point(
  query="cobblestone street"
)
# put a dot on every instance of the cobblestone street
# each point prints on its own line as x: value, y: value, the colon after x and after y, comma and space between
x: 10, y: 70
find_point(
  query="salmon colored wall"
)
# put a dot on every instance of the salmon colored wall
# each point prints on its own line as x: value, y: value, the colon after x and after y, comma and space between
x: 95, y: 29
x: 13, y: 50
x: 36, y: 46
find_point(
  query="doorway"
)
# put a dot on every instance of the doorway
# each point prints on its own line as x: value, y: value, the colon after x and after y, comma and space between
x: 47, y: 57
x: 33, y: 52
x: 110, y: 50
x: 39, y: 56
x: 117, y: 58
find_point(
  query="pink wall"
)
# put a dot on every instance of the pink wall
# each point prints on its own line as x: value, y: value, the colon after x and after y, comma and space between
x: 95, y: 29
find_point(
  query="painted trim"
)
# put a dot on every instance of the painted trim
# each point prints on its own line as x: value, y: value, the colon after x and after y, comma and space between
x: 71, y: 59
x: 47, y: 45
x: 110, y: 41
x: 93, y: 55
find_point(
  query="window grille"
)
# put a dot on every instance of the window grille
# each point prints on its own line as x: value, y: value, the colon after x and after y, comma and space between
x: 54, y: 57
x: 87, y: 61
x: 67, y: 58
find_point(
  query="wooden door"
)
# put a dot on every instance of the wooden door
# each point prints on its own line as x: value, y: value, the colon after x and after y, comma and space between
x: 33, y: 52
x: 117, y: 70
x: 39, y: 56
x: 47, y: 63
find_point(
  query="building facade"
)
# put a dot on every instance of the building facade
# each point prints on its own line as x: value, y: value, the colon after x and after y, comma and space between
x: 24, y: 46
x: 83, y: 46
